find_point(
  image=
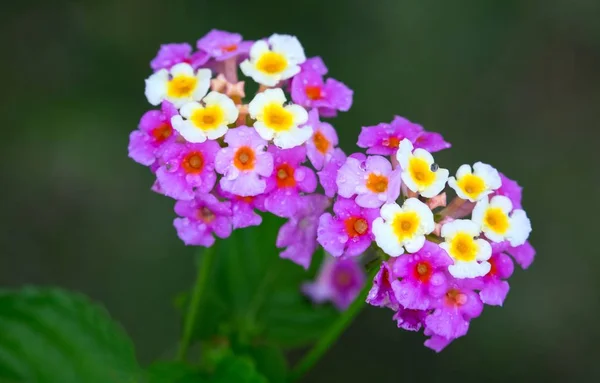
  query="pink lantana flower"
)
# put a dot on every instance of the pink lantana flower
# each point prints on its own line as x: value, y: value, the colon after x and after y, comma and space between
x: 310, y: 90
x: 155, y: 133
x: 299, y: 234
x: 201, y: 218
x: 423, y: 277
x: 494, y: 287
x: 373, y: 181
x: 328, y: 175
x: 320, y: 147
x: 385, y: 138
x: 338, y: 281
x: 244, y: 162
x: 187, y: 169
x: 410, y: 319
x: 171, y: 54
x: 222, y: 45
x: 243, y: 209
x: 349, y: 232
x: 382, y: 294
x: 288, y: 180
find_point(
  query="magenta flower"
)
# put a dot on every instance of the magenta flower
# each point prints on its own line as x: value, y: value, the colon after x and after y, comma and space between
x: 423, y: 277
x: 201, y: 218
x: 409, y: 319
x: 338, y: 281
x: 511, y: 190
x: 328, y: 175
x: 299, y: 234
x: 244, y: 162
x: 372, y: 181
x: 349, y: 232
x: 155, y: 133
x: 222, y: 45
x: 187, y: 169
x: 314, y: 64
x: 382, y: 294
x: 320, y: 147
x: 288, y: 179
x: 524, y: 254
x: 453, y: 310
x: 494, y: 288
x: 171, y: 54
x: 243, y: 209
x: 385, y: 138
x: 436, y: 342
x: 308, y: 89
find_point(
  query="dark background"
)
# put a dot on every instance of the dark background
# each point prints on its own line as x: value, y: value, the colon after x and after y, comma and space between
x: 512, y: 83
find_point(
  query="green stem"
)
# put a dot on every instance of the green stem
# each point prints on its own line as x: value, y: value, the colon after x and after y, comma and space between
x: 204, y: 267
x: 334, y: 331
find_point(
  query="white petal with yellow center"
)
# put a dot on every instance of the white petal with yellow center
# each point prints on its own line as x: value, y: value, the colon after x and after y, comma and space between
x: 277, y: 121
x: 273, y: 61
x: 470, y: 254
x: 401, y: 229
x: 419, y: 172
x: 475, y: 184
x: 179, y: 85
x: 197, y: 123
x: 500, y: 223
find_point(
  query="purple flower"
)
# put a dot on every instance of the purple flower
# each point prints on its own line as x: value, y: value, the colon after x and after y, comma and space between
x: 338, y: 281
x: 299, y: 234
x: 202, y: 217
x: 381, y: 294
x: 373, y: 181
x: 171, y: 54
x: 309, y: 90
x: 523, y: 254
x: 242, y: 209
x: 288, y: 179
x: 187, y: 169
x: 494, y: 287
x: 409, y: 319
x: 385, y: 138
x: 314, y: 64
x: 453, y: 310
x: 349, y: 232
x: 154, y: 134
x: 436, y: 342
x: 423, y: 277
x: 328, y: 175
x: 244, y: 162
x: 320, y: 147
x: 510, y: 189
x: 222, y: 45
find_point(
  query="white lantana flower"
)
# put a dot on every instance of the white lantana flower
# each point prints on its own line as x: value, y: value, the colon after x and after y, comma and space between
x: 420, y: 173
x: 403, y: 228
x: 275, y: 60
x: 476, y: 184
x: 470, y: 255
x: 208, y: 121
x: 277, y: 121
x: 499, y: 224
x: 178, y: 85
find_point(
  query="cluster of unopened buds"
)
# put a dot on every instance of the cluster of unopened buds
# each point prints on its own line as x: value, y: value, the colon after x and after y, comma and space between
x: 223, y: 159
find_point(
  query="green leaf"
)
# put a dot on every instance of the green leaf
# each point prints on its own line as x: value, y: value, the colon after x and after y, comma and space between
x: 50, y: 335
x: 173, y: 372
x: 271, y: 362
x: 235, y: 369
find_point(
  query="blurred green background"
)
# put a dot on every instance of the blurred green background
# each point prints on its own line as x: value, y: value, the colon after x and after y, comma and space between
x: 512, y: 83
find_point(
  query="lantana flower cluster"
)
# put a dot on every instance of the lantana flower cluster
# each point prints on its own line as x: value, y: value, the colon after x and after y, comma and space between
x: 225, y: 158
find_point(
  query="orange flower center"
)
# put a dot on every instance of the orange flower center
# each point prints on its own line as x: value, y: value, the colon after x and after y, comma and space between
x: 356, y: 226
x: 377, y: 183
x: 285, y: 176
x: 343, y: 279
x: 321, y: 142
x: 391, y: 142
x: 423, y: 271
x: 193, y: 163
x: 244, y: 158
x: 455, y: 298
x: 206, y: 215
x: 314, y: 92
x: 229, y: 48
x: 162, y: 132
x: 493, y: 269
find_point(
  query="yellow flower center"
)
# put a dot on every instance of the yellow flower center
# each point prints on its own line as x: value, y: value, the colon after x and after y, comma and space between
x: 405, y: 225
x: 463, y: 247
x: 420, y: 172
x: 471, y: 185
x: 181, y: 86
x: 497, y: 220
x: 276, y: 117
x: 271, y: 63
x: 208, y: 118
